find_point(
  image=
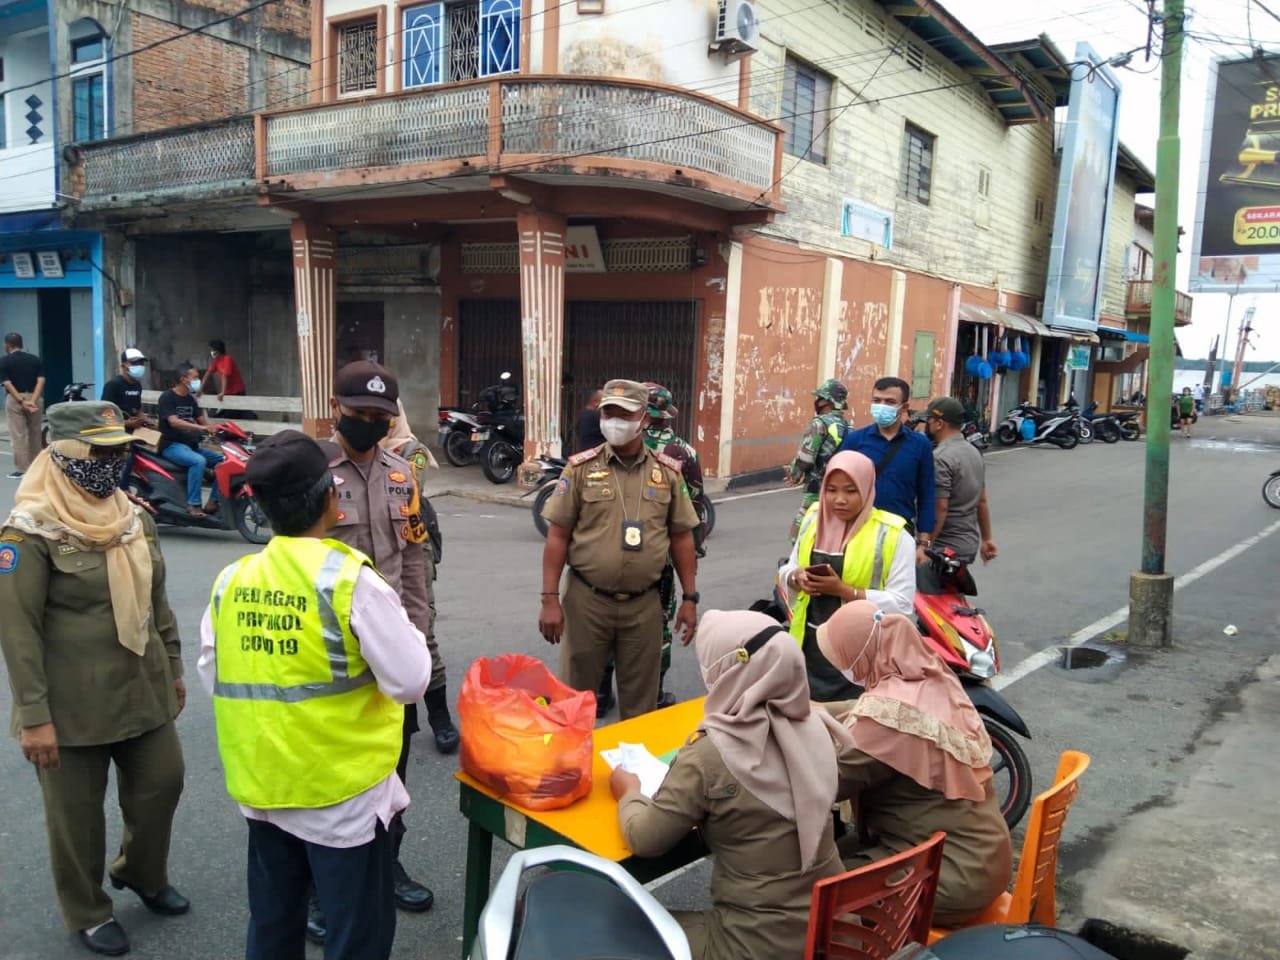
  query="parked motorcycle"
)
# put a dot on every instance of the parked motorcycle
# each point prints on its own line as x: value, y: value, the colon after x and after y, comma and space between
x: 970, y: 430
x: 456, y: 429
x: 1130, y: 427
x: 1026, y: 422
x: 1271, y: 490
x: 72, y: 392
x: 585, y: 908
x: 1105, y: 425
x: 162, y: 486
x: 501, y: 438
x: 961, y: 635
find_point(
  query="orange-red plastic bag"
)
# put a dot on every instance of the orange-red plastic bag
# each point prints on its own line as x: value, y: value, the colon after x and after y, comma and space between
x: 525, y: 734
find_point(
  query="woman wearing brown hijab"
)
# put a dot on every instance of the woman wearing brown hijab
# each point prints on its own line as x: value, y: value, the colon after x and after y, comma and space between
x: 920, y: 760
x: 758, y: 777
x: 95, y: 667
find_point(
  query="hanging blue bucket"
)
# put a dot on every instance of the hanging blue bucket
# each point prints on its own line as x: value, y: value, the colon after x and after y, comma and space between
x: 985, y: 370
x: 1018, y: 360
x: 971, y: 365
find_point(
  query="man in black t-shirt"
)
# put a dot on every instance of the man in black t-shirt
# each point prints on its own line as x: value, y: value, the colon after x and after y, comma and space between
x: 22, y: 376
x: 125, y: 390
x: 182, y: 427
x: 586, y: 433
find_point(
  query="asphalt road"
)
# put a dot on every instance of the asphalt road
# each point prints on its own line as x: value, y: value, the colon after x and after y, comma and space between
x: 1068, y: 526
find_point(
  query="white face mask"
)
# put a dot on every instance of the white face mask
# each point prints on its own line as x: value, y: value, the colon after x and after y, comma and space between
x: 619, y: 432
x: 194, y: 385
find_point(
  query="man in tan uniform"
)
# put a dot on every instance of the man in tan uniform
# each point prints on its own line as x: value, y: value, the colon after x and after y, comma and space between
x: 619, y: 511
x: 381, y: 516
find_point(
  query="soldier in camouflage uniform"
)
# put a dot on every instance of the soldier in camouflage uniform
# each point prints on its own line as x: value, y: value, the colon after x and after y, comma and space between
x: 660, y: 438
x: 820, y: 441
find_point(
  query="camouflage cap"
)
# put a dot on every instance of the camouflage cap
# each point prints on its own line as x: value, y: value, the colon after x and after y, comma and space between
x: 660, y: 404
x: 835, y: 393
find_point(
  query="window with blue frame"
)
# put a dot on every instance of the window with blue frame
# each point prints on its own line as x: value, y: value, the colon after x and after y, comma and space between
x: 88, y: 81
x: 448, y: 42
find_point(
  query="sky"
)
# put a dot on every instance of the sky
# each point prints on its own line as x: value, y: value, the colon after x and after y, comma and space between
x: 1216, y: 29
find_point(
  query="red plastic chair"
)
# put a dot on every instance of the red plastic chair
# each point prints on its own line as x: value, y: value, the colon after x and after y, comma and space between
x: 872, y: 912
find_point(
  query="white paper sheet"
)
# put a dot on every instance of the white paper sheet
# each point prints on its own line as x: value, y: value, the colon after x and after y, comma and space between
x: 636, y: 758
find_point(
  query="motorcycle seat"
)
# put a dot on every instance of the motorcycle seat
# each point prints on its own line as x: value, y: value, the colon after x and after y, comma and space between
x: 568, y: 915
x: 169, y: 465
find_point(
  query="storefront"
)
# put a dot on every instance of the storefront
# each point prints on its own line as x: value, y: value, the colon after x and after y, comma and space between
x: 51, y: 293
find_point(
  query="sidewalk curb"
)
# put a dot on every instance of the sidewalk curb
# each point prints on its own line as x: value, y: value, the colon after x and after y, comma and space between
x: 478, y: 496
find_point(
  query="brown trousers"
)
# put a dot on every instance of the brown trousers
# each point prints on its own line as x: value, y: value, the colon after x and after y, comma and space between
x: 630, y: 630
x: 437, y: 662
x: 24, y: 432
x: 149, y: 773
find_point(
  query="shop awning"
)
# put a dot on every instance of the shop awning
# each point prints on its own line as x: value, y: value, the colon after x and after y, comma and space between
x: 1113, y: 333
x: 972, y: 313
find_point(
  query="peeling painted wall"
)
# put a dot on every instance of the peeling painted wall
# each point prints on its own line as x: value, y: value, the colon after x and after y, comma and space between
x: 635, y: 39
x: 861, y: 342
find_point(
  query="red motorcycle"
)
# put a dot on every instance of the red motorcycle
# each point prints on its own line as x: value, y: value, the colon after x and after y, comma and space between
x: 960, y: 634
x: 162, y: 487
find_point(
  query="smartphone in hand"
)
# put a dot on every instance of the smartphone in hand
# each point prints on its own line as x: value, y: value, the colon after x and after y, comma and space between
x: 820, y: 570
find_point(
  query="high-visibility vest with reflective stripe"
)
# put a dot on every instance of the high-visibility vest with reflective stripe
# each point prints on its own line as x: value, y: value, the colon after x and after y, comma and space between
x: 868, y: 557
x: 301, y: 721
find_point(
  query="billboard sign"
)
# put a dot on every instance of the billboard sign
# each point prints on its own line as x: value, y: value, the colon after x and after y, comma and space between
x: 1237, y: 238
x: 1077, y: 258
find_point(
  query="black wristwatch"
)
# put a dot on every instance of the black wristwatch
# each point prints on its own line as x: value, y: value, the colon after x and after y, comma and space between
x: 694, y: 597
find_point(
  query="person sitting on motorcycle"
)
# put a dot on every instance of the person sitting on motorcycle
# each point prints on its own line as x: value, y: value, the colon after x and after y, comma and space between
x: 758, y: 777
x: 920, y: 760
x: 182, y: 427
x: 847, y: 550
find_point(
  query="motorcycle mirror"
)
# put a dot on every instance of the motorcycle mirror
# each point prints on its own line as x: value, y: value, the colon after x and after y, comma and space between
x: 505, y: 375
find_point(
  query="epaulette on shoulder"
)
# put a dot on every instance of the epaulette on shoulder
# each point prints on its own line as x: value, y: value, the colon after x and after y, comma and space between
x: 585, y: 456
x: 670, y: 462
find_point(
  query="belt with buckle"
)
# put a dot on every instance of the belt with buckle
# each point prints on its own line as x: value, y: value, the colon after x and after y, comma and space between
x: 620, y: 596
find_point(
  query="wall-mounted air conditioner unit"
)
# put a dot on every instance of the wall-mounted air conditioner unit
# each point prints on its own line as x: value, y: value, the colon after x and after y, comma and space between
x: 737, y: 28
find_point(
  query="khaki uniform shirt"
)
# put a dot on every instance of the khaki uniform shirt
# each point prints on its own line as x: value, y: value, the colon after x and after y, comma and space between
x: 374, y: 518
x: 597, y: 493
x: 759, y: 892
x: 896, y: 813
x: 66, y: 664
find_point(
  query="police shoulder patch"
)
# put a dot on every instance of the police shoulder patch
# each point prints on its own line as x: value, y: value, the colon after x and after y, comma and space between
x: 585, y: 456
x: 8, y: 558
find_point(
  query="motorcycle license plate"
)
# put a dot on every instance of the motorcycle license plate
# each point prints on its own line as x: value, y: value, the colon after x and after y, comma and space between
x: 479, y: 437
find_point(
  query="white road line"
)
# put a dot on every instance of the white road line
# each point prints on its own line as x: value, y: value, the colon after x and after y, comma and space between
x: 759, y: 493
x: 1102, y: 625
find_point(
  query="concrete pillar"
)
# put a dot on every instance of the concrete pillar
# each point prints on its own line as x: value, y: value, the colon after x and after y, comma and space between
x: 953, y: 335
x: 829, y: 337
x: 729, y: 371
x: 541, y: 329
x: 897, y: 298
x: 314, y: 265
x: 1151, y: 609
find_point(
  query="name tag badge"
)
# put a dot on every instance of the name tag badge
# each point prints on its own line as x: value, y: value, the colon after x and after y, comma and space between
x: 632, y: 535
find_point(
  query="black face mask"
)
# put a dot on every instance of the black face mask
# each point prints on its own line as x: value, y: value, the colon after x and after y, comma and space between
x: 362, y: 435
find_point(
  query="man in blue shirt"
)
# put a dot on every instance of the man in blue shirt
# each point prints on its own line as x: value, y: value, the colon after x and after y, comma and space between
x: 903, y: 458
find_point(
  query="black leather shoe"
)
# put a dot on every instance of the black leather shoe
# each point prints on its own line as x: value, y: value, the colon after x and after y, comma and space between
x: 167, y: 901
x: 316, y: 927
x: 110, y: 940
x: 446, y: 733
x: 410, y: 894
x: 666, y: 699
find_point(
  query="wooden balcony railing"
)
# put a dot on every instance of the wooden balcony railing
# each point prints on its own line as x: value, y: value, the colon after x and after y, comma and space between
x: 1139, y: 302
x: 518, y: 124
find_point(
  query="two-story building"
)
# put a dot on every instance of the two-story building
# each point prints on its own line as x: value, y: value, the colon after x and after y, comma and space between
x: 76, y: 72
x: 737, y: 199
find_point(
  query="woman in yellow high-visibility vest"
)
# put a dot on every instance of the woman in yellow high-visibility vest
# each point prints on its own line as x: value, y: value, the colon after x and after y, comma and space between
x: 847, y: 550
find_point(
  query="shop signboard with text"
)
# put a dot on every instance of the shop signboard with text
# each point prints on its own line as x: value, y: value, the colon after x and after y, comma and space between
x: 1237, y: 238
x: 1086, y: 180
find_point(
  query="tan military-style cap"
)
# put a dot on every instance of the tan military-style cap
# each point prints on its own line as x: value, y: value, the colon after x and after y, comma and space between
x: 96, y: 422
x: 627, y: 394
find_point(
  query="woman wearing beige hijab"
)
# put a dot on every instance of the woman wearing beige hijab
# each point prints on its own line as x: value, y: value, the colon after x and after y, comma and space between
x: 758, y: 778
x: 920, y: 760
x: 95, y: 667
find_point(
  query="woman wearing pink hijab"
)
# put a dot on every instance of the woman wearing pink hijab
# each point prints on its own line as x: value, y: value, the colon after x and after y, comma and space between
x: 847, y: 550
x: 920, y: 760
x: 758, y: 778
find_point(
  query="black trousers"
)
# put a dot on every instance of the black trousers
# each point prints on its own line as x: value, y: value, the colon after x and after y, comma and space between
x: 353, y: 885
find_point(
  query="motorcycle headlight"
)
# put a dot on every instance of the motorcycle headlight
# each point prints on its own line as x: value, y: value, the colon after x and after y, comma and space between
x: 982, y: 665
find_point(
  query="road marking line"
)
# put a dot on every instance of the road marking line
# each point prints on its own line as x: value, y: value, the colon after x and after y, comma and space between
x: 1103, y: 624
x: 758, y: 493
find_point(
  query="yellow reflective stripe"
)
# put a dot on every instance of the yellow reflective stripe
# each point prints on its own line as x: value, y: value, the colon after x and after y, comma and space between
x: 877, y: 565
x: 220, y: 587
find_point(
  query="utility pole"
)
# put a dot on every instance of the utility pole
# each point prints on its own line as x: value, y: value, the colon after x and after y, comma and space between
x: 1245, y: 330
x: 1209, y: 367
x: 1151, y: 589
